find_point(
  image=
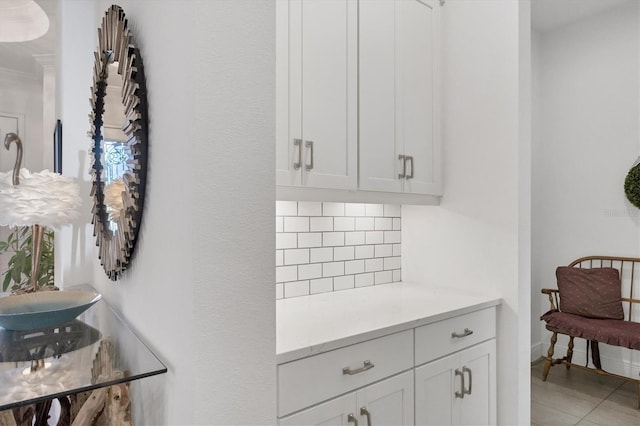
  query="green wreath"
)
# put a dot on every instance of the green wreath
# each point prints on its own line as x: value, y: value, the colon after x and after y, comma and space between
x: 632, y: 185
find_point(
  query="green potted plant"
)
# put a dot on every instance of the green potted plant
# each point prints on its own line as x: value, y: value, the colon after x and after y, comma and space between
x: 19, y: 243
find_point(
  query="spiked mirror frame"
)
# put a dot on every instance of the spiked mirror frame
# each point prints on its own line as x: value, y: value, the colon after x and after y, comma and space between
x: 115, y: 44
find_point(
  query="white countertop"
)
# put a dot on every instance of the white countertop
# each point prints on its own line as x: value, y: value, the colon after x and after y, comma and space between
x: 311, y: 325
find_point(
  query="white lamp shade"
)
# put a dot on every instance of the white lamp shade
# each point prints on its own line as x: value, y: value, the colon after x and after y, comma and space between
x: 22, y: 20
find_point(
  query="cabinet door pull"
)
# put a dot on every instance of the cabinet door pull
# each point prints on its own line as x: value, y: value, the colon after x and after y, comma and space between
x: 309, y: 144
x: 410, y: 158
x: 460, y: 394
x: 467, y: 370
x: 466, y: 333
x: 365, y: 412
x: 367, y: 366
x: 298, y: 143
x: 404, y: 167
x: 352, y: 419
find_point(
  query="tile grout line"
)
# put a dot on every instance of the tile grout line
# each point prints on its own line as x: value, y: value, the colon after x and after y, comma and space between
x: 602, y: 401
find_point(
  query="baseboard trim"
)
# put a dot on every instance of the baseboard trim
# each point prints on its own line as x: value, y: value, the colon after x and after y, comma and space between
x: 536, y: 351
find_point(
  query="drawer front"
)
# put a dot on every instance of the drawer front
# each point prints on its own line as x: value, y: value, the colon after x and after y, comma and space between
x: 437, y: 339
x: 309, y: 381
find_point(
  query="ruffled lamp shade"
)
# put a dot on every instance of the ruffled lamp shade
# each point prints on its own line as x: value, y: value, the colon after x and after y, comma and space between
x: 42, y: 198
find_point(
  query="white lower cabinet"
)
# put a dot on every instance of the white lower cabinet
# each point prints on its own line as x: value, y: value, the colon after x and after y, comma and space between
x: 459, y: 389
x: 389, y: 402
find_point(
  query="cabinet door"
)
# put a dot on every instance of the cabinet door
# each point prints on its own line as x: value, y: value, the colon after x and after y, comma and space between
x: 332, y: 413
x: 319, y: 96
x: 436, y: 386
x: 417, y: 108
x: 479, y: 365
x: 379, y: 163
x: 389, y: 402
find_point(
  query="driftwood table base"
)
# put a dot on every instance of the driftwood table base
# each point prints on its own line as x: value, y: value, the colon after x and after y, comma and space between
x: 101, y: 407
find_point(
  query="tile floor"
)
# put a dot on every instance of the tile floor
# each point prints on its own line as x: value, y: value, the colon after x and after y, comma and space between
x: 579, y: 397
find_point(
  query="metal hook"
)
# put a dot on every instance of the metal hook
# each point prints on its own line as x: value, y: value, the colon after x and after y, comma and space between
x: 12, y: 137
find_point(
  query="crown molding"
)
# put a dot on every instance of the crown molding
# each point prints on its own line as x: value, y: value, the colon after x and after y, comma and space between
x: 22, y: 76
x: 46, y: 59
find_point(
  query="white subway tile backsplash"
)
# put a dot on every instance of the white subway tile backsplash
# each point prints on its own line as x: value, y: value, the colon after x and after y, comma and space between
x: 374, y: 209
x: 296, y: 256
x: 322, y: 285
x: 332, y: 269
x: 320, y: 224
x: 353, y: 238
x: 285, y: 241
x: 383, y: 250
x: 354, y: 209
x: 373, y: 265
x: 286, y: 208
x: 365, y: 224
x: 383, y: 223
x: 374, y: 237
x: 330, y: 239
x: 296, y: 224
x: 391, y: 263
x: 307, y: 272
x: 286, y: 273
x: 391, y: 210
x: 343, y: 253
x: 343, y: 283
x: 363, y: 280
x: 364, y: 252
x: 333, y: 209
x: 296, y: 288
x: 323, y: 247
x: 354, y: 267
x: 309, y: 239
x: 324, y: 254
x: 391, y: 237
x: 344, y: 224
x: 309, y: 208
x: 383, y: 277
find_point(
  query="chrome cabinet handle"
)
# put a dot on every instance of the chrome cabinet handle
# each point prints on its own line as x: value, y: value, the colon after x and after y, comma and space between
x: 410, y: 158
x: 352, y: 419
x: 298, y: 143
x: 367, y: 366
x: 460, y: 394
x: 466, y: 333
x: 404, y: 167
x: 467, y: 370
x: 365, y: 412
x: 309, y: 144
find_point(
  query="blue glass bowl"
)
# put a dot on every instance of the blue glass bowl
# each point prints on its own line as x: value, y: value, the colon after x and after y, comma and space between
x: 44, y: 309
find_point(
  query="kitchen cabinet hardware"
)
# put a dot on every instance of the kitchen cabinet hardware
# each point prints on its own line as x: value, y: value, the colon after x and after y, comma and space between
x: 410, y: 158
x: 404, y: 167
x: 298, y: 143
x: 368, y: 365
x: 462, y: 392
x: 466, y: 333
x: 352, y: 419
x: 309, y: 144
x: 365, y: 412
x: 465, y: 369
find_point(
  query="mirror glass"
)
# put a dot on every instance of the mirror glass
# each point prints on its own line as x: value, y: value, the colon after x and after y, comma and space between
x: 120, y: 136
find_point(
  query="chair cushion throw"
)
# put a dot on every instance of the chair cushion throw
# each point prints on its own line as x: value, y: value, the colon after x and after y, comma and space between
x: 590, y: 292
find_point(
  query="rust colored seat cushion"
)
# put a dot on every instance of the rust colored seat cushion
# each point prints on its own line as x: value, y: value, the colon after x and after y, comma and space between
x: 612, y: 332
x: 592, y: 293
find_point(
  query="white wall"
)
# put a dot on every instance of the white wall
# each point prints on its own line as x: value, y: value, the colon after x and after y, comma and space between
x: 209, y: 211
x: 472, y: 240
x: 585, y: 141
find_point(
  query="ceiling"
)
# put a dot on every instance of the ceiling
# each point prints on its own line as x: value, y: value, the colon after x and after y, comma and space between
x: 19, y: 56
x: 547, y: 15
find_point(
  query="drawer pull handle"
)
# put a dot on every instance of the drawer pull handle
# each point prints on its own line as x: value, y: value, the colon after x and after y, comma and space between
x: 466, y: 333
x: 365, y: 412
x: 367, y: 366
x: 467, y: 370
x: 298, y: 143
x: 352, y: 419
x: 460, y: 394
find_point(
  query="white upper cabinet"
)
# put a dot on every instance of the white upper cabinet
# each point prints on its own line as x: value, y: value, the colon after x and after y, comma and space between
x: 316, y: 129
x: 399, y: 119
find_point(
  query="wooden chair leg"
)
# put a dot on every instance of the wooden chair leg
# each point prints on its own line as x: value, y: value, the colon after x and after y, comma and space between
x: 569, y: 352
x: 549, y: 360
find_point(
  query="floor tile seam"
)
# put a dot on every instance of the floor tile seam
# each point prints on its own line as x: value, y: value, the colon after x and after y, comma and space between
x: 563, y: 411
x: 602, y: 401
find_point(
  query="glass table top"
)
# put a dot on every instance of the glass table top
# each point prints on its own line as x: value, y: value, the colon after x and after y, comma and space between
x: 38, y: 365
